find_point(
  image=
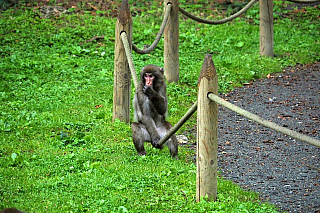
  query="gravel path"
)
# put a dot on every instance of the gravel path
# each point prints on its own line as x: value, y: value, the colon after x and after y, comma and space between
x: 285, y: 172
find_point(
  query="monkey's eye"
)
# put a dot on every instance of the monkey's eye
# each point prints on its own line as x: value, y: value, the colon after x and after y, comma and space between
x: 148, y: 75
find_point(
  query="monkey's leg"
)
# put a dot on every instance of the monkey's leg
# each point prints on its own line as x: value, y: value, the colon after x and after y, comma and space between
x: 172, y: 143
x: 150, y: 127
x: 139, y: 136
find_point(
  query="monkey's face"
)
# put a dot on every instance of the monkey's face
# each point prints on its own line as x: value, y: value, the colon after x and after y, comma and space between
x: 148, y: 77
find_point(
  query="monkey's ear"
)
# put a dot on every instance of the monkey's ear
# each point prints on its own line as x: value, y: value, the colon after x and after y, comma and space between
x: 162, y: 70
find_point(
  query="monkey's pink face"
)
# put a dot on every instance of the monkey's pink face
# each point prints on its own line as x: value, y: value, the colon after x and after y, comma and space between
x: 149, y: 79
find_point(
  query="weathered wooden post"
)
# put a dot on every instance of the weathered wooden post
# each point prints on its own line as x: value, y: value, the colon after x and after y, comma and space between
x: 207, y: 133
x: 122, y: 76
x: 266, y: 28
x: 171, y: 43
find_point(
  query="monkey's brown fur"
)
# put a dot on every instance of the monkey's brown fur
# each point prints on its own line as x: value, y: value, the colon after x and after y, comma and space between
x: 150, y: 108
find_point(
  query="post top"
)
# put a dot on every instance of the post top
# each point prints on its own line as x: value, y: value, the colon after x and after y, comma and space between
x: 208, y: 70
x: 124, y: 13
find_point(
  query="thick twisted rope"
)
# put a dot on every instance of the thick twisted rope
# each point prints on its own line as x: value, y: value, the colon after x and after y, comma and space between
x: 129, y: 58
x: 264, y: 122
x: 179, y: 124
x: 158, y: 37
x: 222, y: 21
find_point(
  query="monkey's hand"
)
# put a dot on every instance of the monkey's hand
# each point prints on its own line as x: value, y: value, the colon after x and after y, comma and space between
x: 155, y: 143
x: 148, y: 90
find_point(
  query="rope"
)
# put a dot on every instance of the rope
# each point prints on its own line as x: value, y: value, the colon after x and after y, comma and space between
x: 304, y: 1
x: 179, y: 124
x: 206, y: 21
x: 129, y: 58
x: 263, y: 122
x: 158, y: 37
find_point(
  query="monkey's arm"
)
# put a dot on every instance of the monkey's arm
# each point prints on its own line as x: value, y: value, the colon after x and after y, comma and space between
x: 146, y: 114
x: 158, y: 100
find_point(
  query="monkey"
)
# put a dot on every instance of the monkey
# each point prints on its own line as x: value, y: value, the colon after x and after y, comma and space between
x: 150, y: 109
x: 11, y: 210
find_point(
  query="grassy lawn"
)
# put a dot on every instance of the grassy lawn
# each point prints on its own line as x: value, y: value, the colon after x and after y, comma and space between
x: 60, y: 150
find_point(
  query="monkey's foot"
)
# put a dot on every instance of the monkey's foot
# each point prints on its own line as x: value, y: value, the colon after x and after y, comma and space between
x: 155, y: 143
x: 175, y: 157
x: 142, y: 153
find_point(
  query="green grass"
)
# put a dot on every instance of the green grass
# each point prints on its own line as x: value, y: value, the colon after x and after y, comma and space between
x: 60, y: 152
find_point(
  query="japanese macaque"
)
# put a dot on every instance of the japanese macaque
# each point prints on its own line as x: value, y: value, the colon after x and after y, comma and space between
x: 11, y: 210
x: 150, y: 109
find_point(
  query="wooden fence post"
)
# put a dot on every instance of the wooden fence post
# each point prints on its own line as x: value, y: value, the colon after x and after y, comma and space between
x: 122, y: 76
x: 207, y: 132
x: 266, y: 28
x: 171, y: 43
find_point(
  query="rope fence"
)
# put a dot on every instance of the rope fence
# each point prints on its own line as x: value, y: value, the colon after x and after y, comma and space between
x: 129, y: 58
x: 159, y: 35
x: 240, y: 12
x: 201, y: 20
x: 207, y: 128
x: 213, y: 97
x: 206, y: 105
x: 264, y: 122
x: 223, y: 21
